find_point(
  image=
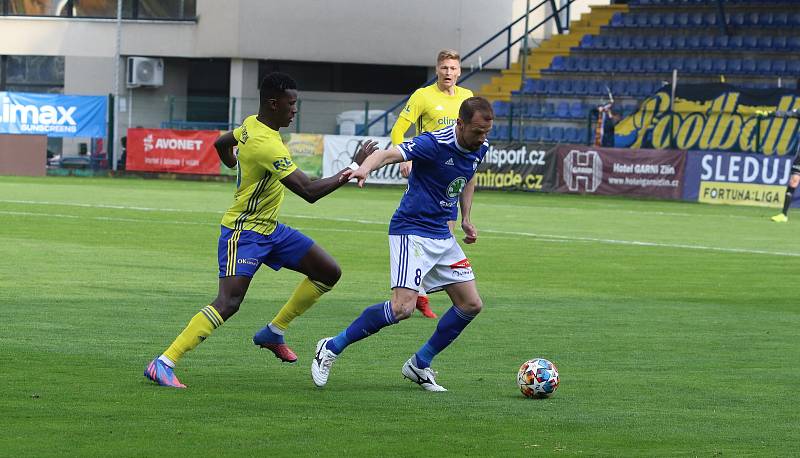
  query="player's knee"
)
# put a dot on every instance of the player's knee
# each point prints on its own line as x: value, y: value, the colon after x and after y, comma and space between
x: 227, y: 306
x: 402, y: 310
x: 472, y: 306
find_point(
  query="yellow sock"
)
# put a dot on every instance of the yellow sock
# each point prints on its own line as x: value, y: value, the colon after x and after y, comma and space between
x: 198, y: 329
x: 303, y: 297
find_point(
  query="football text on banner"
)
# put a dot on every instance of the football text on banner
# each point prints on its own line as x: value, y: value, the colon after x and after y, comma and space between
x: 712, y: 117
x: 738, y: 179
x: 516, y: 166
x: 175, y: 151
x: 610, y: 171
x: 338, y: 152
x: 54, y: 115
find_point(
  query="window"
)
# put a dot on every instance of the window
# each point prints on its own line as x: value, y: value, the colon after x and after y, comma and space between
x: 336, y: 77
x: 32, y: 73
x: 131, y: 9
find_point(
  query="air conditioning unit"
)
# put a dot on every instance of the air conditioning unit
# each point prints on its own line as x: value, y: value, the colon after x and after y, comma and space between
x: 145, y: 71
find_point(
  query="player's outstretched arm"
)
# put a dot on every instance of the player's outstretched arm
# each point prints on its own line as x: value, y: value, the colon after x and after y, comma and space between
x: 465, y: 200
x: 313, y: 190
x: 224, y: 146
x: 374, y: 161
x: 398, y: 135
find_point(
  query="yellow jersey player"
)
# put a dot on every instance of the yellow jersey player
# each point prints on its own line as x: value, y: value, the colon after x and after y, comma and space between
x: 251, y: 234
x: 432, y: 108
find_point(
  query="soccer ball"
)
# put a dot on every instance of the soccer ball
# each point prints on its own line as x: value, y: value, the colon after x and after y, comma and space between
x: 537, y: 378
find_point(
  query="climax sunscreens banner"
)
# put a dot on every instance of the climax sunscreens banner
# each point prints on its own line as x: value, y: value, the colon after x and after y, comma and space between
x: 54, y: 115
x: 717, y: 117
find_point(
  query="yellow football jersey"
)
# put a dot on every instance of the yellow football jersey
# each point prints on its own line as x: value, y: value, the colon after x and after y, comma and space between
x: 430, y: 109
x: 263, y: 161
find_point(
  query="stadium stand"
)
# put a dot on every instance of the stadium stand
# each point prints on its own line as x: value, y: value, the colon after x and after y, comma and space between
x: 631, y: 50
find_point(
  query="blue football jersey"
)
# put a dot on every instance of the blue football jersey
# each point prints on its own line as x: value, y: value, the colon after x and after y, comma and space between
x: 441, y: 169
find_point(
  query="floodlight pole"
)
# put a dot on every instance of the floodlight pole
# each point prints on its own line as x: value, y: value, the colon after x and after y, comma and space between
x: 112, y: 148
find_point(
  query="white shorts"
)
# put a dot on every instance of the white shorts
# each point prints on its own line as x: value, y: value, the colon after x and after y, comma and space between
x: 428, y: 265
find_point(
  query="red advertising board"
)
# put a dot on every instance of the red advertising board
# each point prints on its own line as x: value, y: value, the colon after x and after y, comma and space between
x: 614, y: 171
x: 176, y: 151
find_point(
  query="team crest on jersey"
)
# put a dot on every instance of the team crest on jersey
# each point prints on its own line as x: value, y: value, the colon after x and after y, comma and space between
x: 456, y: 186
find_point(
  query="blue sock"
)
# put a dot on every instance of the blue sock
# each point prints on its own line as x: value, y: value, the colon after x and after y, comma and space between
x: 372, y: 319
x: 267, y: 335
x: 450, y: 326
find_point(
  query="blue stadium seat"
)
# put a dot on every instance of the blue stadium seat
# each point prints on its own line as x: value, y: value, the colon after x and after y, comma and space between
x: 764, y: 42
x: 707, y: 41
x: 682, y: 19
x: 780, y: 19
x: 794, y: 19
x: 576, y: 110
x: 545, y: 135
x: 587, y: 42
x: 779, y: 67
x: 656, y: 19
x: 642, y: 20
x: 638, y: 42
x: 679, y: 42
x: 609, y: 64
x: 562, y: 110
x: 793, y: 67
x: 600, y: 42
x: 596, y: 64
x: 668, y: 20
x: 579, y: 87
x: 617, y: 20
x: 736, y: 42
x: 551, y: 87
x: 720, y: 41
x: 779, y: 42
x: 515, y: 133
x: 705, y: 66
x: 735, y: 66
x: 629, y: 20
x: 737, y: 19
x: 691, y: 65
x: 664, y: 65
x: 548, y: 110
x: 693, y: 42
x: 793, y: 43
x: 594, y: 87
x: 612, y: 42
x: 631, y: 88
x: 532, y: 133
x: 534, y: 110
x: 750, y: 41
x: 571, y: 135
x: 635, y: 65
x: 625, y: 42
x: 765, y: 19
x: 558, y: 63
x: 557, y: 134
x: 571, y: 64
x: 764, y: 67
x: 500, y: 108
x: 499, y: 132
x: 566, y: 86
x: 649, y: 65
x: 696, y: 19
x: 622, y: 64
x: 709, y: 19
x: 748, y: 66
x: 719, y: 65
x: 665, y: 42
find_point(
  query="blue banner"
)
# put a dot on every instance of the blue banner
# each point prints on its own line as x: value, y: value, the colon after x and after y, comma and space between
x: 54, y: 115
x: 738, y: 179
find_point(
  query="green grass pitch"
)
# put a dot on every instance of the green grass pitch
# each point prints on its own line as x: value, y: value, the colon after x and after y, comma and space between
x: 674, y: 327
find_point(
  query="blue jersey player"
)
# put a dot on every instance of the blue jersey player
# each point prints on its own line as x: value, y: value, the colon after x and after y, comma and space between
x: 423, y: 252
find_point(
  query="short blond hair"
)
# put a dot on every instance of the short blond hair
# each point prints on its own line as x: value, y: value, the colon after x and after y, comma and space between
x: 445, y: 54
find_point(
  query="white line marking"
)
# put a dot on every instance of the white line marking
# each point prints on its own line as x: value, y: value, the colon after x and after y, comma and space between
x: 502, y: 234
